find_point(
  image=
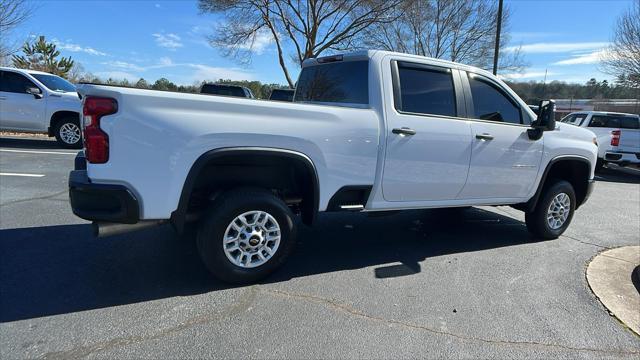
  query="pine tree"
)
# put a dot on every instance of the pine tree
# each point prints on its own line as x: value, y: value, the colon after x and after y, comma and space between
x: 43, y: 56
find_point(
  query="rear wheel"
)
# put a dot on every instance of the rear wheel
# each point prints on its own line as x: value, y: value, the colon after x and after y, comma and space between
x: 246, y: 235
x: 67, y: 132
x: 553, y: 212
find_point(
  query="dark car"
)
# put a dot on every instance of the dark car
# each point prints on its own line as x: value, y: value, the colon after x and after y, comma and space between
x: 226, y: 90
x: 282, y: 94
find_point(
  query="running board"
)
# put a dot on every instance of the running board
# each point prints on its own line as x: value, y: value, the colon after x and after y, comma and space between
x: 352, y: 207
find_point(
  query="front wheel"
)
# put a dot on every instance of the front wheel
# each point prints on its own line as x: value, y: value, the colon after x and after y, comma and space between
x: 67, y: 132
x: 246, y: 235
x: 553, y: 212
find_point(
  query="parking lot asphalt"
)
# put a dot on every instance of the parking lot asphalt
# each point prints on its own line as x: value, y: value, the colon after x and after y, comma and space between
x: 430, y: 283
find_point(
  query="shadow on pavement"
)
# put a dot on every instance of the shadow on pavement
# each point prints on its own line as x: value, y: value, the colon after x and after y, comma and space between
x: 614, y: 173
x: 63, y: 269
x: 30, y: 143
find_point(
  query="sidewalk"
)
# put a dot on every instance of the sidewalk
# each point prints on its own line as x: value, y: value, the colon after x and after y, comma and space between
x: 610, y: 276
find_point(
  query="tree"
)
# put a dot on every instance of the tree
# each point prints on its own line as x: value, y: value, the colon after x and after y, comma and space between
x: 623, y: 57
x: 142, y: 84
x: 43, y: 56
x: 12, y: 13
x: 164, y: 84
x: 309, y: 27
x: 456, y: 30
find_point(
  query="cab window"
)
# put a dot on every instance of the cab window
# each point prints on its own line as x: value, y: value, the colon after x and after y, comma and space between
x: 491, y: 103
x: 15, y: 83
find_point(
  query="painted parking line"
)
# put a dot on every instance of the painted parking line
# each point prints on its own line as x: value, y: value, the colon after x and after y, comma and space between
x: 38, y: 152
x: 20, y: 174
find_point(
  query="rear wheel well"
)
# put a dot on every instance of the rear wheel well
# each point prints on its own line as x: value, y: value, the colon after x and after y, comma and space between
x: 574, y: 170
x: 289, y: 175
x: 59, y: 116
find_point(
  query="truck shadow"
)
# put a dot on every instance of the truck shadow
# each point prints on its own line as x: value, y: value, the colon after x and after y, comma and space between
x: 62, y: 269
x: 617, y: 174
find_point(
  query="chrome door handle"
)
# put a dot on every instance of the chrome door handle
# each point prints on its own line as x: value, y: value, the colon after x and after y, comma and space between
x: 403, y: 131
x: 484, y: 136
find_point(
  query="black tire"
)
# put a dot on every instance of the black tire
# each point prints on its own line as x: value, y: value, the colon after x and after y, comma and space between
x: 66, y: 126
x: 599, y: 165
x: 536, y: 220
x: 219, y: 216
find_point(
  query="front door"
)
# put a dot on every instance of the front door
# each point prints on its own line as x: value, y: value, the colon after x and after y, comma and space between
x: 428, y: 145
x: 20, y: 110
x: 504, y: 161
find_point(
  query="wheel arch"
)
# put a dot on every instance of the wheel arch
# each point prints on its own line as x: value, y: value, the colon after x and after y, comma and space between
x: 205, y: 174
x: 572, y: 168
x: 59, y: 116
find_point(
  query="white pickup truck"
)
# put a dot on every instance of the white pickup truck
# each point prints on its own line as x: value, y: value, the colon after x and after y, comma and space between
x: 367, y: 131
x: 618, y: 135
x: 36, y: 101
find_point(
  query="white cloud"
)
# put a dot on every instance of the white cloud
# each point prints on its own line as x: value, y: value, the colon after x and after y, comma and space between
x: 558, y: 47
x: 157, y: 6
x: 69, y: 46
x: 169, y: 41
x: 210, y: 73
x: 261, y: 41
x: 588, y: 58
x: 117, y: 75
x: 165, y: 61
x: 124, y: 65
x: 526, y: 75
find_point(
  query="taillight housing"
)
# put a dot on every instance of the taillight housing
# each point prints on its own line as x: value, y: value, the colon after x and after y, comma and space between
x: 615, y: 137
x: 96, y: 141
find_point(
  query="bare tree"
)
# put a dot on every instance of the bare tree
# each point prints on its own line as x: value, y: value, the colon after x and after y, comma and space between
x: 623, y: 57
x: 12, y: 13
x: 309, y: 27
x: 457, y: 30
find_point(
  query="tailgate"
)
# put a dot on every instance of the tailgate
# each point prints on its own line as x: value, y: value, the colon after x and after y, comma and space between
x: 629, y: 140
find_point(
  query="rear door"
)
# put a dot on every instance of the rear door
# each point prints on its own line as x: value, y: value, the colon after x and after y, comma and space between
x: 18, y: 109
x: 428, y: 139
x: 504, y: 161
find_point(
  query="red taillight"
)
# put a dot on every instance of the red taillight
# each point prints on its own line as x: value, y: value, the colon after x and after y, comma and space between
x: 615, y: 138
x: 96, y: 141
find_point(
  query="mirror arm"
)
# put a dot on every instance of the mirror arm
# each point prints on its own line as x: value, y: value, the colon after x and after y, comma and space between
x: 535, y: 133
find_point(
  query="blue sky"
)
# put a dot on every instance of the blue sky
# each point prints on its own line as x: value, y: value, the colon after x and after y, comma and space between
x: 153, y: 39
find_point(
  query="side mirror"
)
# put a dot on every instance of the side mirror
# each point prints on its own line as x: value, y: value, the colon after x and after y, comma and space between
x: 546, y: 116
x: 546, y: 120
x: 36, y: 92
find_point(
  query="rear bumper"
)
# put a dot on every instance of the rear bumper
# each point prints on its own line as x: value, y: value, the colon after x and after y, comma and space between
x: 620, y: 157
x: 100, y: 202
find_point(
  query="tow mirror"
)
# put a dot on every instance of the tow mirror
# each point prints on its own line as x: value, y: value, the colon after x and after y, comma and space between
x: 36, y: 92
x: 546, y: 120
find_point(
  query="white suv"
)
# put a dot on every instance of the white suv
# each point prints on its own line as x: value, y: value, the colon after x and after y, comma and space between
x: 618, y: 135
x: 35, y: 101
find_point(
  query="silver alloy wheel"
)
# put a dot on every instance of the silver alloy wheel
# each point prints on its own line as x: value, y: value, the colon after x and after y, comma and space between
x: 70, y: 133
x: 558, y: 211
x: 251, y: 239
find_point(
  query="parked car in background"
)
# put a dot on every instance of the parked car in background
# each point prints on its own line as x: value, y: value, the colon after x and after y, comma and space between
x: 367, y: 131
x: 282, y: 94
x: 36, y: 101
x: 618, y: 135
x: 226, y: 90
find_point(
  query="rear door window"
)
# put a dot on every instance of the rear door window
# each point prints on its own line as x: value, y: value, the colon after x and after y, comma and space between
x: 425, y: 90
x: 341, y: 82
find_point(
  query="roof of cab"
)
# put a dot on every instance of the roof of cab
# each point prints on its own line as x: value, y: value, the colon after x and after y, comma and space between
x: 379, y: 54
x: 24, y: 70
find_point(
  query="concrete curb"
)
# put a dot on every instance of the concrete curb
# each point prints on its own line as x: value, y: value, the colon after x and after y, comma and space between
x: 610, y: 276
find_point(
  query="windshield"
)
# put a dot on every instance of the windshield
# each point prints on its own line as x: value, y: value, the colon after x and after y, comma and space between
x: 55, y: 83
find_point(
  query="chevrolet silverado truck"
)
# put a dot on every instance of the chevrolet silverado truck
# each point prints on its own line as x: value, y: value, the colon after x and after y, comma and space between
x: 368, y: 131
